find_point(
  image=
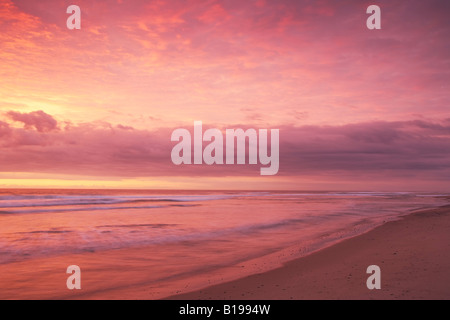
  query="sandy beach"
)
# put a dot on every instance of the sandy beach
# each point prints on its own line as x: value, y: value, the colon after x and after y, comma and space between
x: 413, y: 254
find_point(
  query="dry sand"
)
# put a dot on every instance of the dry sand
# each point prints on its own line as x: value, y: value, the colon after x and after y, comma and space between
x: 413, y: 254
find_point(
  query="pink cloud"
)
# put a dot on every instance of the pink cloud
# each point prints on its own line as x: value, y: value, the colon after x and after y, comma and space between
x: 285, y: 55
x: 100, y: 149
x: 4, y: 129
x: 403, y: 146
x: 39, y: 120
x: 345, y: 98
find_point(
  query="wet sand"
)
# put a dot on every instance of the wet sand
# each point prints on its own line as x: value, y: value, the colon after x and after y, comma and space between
x: 413, y: 254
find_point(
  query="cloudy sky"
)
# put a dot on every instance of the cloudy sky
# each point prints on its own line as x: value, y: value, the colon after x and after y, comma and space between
x: 357, y: 109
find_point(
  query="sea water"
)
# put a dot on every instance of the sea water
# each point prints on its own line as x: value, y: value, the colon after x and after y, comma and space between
x: 186, y: 233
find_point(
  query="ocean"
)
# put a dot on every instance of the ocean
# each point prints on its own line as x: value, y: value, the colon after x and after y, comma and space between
x: 180, y: 240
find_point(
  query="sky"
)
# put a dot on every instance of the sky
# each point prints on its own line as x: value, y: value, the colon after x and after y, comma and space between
x: 357, y: 109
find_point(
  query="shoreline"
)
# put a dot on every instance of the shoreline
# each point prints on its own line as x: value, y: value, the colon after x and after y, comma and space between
x: 413, y: 253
